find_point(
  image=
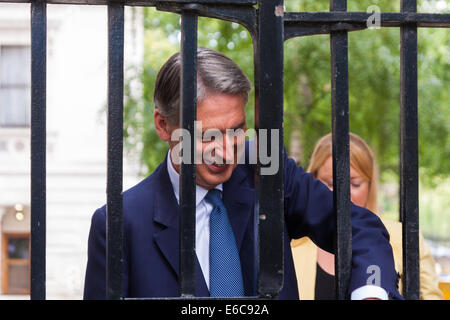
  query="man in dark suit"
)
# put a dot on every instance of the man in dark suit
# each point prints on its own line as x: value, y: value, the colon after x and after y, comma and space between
x: 224, y: 189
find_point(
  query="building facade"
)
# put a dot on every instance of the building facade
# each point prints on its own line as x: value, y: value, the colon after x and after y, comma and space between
x: 76, y: 140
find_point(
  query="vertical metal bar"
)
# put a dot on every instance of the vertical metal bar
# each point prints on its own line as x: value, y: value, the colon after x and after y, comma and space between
x: 188, y: 115
x: 269, y: 116
x: 114, y: 222
x: 409, y: 187
x: 255, y: 41
x: 38, y: 148
x: 341, y: 156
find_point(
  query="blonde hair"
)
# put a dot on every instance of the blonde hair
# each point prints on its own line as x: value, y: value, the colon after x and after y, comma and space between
x: 361, y: 159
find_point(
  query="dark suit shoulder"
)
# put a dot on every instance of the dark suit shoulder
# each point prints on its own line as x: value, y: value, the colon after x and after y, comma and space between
x: 140, y: 198
x: 136, y: 200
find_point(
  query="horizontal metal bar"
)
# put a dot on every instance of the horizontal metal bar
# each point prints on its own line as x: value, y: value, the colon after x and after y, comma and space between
x: 197, y: 298
x: 148, y: 3
x: 238, y: 2
x: 298, y: 24
x: 387, y: 19
x: 292, y: 30
x: 244, y: 15
x: 215, y: 2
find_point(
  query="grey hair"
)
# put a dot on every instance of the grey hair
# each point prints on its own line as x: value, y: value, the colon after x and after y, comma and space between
x: 216, y: 73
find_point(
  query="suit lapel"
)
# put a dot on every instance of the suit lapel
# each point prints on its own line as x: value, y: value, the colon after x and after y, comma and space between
x: 166, y: 213
x: 166, y: 210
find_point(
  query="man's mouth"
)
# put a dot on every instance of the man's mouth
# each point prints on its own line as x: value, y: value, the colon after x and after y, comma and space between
x: 217, y: 168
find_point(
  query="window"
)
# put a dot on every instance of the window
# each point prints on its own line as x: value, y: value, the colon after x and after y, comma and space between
x: 15, y: 95
x: 16, y: 263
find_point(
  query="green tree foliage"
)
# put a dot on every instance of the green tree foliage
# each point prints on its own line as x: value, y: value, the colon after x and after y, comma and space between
x: 374, y: 81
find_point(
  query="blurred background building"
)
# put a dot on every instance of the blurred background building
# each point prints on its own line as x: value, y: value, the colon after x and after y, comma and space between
x: 76, y: 140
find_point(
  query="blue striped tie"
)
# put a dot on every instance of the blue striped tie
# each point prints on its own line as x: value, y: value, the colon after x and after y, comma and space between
x: 225, y: 275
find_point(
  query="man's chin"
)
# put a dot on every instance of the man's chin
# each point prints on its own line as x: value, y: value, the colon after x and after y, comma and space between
x: 210, y: 178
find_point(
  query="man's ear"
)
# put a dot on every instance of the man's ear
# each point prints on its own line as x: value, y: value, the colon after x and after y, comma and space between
x: 163, y: 127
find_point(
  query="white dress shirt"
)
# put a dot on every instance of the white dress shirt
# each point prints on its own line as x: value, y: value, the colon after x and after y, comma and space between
x: 203, y: 212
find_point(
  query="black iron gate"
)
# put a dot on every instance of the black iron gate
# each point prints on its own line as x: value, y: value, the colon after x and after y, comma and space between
x: 269, y: 26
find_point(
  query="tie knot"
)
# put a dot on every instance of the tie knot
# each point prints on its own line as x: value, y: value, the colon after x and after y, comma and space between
x: 214, y: 197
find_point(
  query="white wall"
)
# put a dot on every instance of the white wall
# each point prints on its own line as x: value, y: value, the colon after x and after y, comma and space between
x: 76, y: 132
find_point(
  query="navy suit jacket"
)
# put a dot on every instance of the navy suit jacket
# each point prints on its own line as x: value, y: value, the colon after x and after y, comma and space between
x: 151, y: 240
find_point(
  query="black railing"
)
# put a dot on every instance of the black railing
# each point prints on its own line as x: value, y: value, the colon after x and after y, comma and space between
x: 114, y: 231
x: 38, y: 148
x: 269, y: 26
x: 187, y: 184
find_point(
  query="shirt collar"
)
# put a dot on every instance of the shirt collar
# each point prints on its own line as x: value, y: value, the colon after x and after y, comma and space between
x: 200, y: 192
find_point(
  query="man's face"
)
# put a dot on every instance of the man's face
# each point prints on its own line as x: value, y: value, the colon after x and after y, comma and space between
x: 359, y: 186
x: 218, y: 115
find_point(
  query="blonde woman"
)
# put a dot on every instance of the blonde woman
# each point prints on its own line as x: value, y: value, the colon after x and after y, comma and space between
x: 315, y: 267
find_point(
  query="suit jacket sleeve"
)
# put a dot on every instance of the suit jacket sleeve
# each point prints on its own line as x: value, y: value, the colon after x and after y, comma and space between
x: 95, y: 279
x: 309, y: 212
